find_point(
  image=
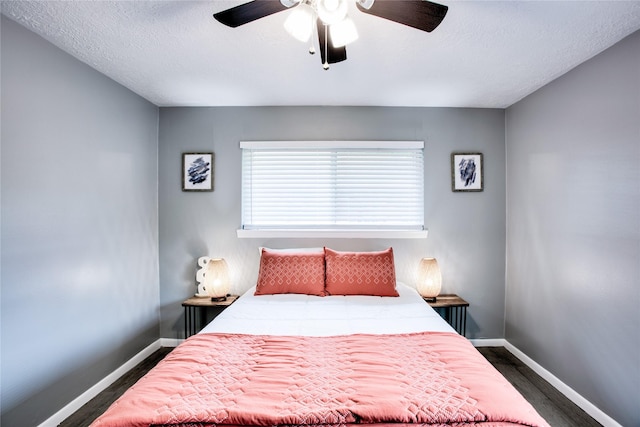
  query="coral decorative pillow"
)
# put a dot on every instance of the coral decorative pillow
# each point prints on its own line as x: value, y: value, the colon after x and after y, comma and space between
x: 360, y: 273
x: 291, y: 273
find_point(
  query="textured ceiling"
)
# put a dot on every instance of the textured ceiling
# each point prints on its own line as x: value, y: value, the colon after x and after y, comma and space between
x: 484, y: 54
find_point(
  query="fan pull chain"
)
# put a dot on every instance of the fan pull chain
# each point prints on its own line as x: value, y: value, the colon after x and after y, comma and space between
x: 326, y: 51
x: 312, y: 49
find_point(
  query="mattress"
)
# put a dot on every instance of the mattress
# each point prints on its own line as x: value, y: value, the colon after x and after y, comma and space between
x: 308, y: 315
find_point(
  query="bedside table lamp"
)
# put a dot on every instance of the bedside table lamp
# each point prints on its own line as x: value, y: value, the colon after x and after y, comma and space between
x: 429, y: 279
x: 213, y: 278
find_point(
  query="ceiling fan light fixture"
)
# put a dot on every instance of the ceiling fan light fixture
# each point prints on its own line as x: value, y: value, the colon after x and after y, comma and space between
x: 331, y: 11
x: 343, y: 32
x: 300, y: 22
x: 329, y: 17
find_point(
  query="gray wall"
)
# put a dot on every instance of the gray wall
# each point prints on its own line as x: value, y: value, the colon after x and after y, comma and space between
x: 466, y: 231
x: 80, y: 289
x: 573, y: 246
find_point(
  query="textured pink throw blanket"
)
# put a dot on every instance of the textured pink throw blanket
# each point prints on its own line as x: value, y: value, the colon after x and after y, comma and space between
x: 428, y: 378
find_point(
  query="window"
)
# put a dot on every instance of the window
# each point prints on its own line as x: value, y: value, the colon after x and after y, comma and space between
x: 323, y: 188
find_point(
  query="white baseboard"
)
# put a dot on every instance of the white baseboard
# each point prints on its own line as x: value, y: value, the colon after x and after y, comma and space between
x: 170, y: 342
x: 488, y: 342
x: 570, y: 393
x: 85, y: 397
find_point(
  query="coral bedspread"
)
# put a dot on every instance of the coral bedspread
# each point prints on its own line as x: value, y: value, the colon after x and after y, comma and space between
x: 432, y: 378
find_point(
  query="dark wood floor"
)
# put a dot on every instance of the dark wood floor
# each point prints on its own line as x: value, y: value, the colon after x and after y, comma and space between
x: 549, y: 402
x: 552, y: 405
x: 96, y: 406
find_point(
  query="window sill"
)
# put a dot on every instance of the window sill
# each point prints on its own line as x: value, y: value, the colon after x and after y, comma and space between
x: 333, y: 234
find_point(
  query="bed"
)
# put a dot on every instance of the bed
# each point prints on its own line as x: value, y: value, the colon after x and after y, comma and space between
x: 305, y: 359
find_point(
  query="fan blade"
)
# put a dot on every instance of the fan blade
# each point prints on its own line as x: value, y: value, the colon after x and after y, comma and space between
x: 249, y: 12
x: 421, y: 14
x: 335, y: 54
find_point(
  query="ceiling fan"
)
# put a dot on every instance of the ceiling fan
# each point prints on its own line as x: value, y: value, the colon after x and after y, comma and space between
x: 334, y: 28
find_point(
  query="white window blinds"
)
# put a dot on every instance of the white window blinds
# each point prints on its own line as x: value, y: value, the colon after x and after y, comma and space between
x: 333, y: 185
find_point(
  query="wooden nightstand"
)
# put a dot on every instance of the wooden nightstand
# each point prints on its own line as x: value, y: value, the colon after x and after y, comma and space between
x: 453, y: 309
x: 195, y: 312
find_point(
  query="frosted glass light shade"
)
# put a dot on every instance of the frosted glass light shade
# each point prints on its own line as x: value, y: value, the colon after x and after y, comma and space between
x: 343, y: 32
x: 429, y: 278
x: 331, y: 11
x: 366, y: 3
x: 216, y: 278
x: 300, y: 21
x: 289, y: 3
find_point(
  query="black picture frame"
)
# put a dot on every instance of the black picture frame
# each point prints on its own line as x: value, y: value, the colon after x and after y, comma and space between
x: 197, y: 171
x: 467, y: 172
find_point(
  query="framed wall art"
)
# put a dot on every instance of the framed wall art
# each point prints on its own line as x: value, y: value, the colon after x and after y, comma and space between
x: 467, y: 172
x: 197, y: 171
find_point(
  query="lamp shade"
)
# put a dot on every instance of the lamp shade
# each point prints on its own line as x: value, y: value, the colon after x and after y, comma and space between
x: 300, y: 22
x: 331, y: 11
x: 343, y: 32
x: 216, y: 278
x: 366, y: 3
x: 429, y: 278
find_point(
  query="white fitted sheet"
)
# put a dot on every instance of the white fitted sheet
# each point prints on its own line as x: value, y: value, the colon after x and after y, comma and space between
x: 307, y: 315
